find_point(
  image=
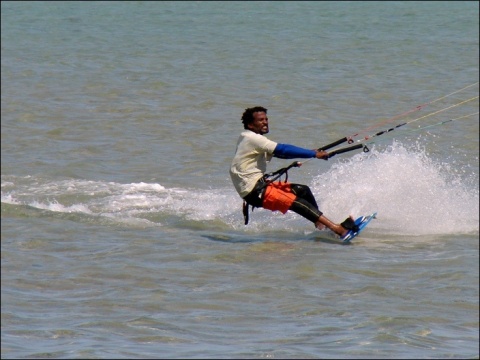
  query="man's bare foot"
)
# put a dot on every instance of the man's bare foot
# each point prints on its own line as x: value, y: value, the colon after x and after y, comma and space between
x: 345, y: 232
x: 338, y: 229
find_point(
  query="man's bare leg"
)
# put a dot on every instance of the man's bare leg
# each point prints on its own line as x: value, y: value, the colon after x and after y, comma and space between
x: 336, y: 228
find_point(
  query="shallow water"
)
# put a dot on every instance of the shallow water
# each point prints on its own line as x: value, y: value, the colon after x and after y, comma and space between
x: 122, y: 235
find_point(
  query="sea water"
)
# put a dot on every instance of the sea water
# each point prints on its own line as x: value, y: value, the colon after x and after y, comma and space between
x: 123, y: 237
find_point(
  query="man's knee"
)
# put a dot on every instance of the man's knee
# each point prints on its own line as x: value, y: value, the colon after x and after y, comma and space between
x: 301, y: 190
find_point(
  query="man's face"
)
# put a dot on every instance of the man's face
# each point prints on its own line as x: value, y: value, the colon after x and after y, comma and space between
x: 260, y: 123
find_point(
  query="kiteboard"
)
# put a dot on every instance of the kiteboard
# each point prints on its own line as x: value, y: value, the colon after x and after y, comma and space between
x: 362, y: 222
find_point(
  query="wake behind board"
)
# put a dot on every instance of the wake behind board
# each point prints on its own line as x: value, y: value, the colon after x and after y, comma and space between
x: 362, y: 222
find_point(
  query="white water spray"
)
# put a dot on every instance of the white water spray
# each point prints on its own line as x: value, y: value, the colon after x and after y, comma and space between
x: 412, y: 194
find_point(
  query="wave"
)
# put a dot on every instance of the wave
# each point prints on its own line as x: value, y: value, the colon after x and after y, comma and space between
x: 413, y: 195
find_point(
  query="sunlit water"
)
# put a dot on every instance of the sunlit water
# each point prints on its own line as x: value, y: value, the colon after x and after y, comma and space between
x: 123, y: 237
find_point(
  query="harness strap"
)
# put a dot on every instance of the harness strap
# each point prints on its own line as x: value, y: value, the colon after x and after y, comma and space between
x: 245, y: 212
x: 280, y: 172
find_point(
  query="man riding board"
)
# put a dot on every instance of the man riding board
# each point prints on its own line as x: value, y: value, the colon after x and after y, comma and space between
x: 248, y: 169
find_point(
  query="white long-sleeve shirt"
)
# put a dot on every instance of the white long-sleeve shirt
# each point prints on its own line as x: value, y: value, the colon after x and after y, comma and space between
x: 250, y: 161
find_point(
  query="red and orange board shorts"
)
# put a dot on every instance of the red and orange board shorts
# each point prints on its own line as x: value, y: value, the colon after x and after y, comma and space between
x: 278, y: 196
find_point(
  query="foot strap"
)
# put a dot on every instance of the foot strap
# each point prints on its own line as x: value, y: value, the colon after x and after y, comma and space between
x: 349, y: 224
x: 245, y: 212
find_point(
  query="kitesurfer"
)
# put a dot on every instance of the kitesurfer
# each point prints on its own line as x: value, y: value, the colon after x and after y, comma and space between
x: 248, y: 169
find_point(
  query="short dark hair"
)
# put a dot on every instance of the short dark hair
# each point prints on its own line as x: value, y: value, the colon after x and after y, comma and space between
x: 247, y: 116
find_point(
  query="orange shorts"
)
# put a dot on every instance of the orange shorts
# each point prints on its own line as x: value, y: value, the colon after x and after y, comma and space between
x: 278, y: 196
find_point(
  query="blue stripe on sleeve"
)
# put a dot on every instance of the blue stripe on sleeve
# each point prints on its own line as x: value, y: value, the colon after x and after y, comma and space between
x: 286, y: 151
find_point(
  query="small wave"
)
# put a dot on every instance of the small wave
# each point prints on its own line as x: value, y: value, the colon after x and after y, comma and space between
x: 412, y: 194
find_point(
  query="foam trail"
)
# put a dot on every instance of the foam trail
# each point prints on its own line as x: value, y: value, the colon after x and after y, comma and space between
x: 135, y: 203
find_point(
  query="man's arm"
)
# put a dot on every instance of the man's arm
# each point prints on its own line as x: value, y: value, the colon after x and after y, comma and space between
x: 286, y: 151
